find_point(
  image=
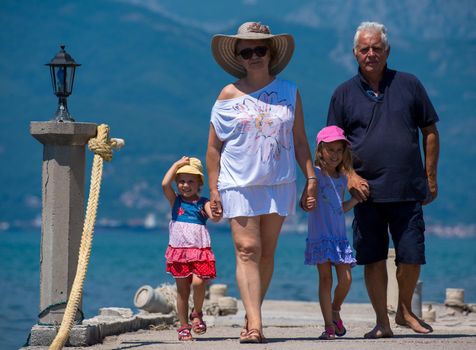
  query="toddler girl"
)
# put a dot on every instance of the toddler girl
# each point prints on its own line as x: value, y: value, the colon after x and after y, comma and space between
x: 189, y: 256
x: 327, y: 243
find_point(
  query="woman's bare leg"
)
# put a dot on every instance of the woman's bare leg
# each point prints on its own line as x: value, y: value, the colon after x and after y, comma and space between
x: 247, y: 240
x: 271, y: 225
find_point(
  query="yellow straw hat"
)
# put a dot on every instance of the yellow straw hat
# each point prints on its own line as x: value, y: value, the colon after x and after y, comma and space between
x: 194, y: 167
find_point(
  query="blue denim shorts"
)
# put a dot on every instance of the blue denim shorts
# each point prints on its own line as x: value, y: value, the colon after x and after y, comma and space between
x: 403, y: 220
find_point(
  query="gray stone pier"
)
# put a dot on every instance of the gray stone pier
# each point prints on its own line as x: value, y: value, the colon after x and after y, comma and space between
x: 63, y: 180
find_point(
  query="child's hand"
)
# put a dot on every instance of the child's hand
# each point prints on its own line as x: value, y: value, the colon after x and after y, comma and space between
x: 182, y: 161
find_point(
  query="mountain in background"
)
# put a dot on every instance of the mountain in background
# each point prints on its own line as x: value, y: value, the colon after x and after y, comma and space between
x: 147, y: 71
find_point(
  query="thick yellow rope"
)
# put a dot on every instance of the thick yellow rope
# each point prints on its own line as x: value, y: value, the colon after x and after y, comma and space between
x: 102, y: 146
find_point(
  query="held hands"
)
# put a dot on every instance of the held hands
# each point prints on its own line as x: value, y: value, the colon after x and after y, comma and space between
x: 215, y: 204
x: 358, y: 187
x: 308, y: 198
x: 311, y: 203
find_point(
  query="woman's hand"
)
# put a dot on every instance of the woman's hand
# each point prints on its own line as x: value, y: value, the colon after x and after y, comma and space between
x: 309, y: 195
x: 215, y: 204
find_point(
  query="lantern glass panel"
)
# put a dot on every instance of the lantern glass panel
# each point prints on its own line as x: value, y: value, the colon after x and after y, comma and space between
x: 61, y: 80
x: 69, y: 79
x: 53, y: 78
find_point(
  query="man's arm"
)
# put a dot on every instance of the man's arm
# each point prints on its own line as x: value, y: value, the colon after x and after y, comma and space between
x: 357, y: 186
x: 431, y: 148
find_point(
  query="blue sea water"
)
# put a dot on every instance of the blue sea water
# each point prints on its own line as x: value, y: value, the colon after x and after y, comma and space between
x: 123, y: 260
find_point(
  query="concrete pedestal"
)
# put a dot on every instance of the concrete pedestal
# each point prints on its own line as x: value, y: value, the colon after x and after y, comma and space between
x: 63, y: 210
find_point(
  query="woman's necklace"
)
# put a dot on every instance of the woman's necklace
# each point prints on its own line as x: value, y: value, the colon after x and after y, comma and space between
x: 333, y: 186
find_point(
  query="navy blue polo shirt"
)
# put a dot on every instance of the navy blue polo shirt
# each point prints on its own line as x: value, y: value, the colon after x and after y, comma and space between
x: 384, y: 132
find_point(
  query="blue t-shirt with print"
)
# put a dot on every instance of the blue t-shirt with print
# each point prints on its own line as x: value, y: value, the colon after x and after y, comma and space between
x: 191, y: 212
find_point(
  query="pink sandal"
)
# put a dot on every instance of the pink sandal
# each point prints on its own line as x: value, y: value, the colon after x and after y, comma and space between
x: 198, y: 327
x: 184, y: 333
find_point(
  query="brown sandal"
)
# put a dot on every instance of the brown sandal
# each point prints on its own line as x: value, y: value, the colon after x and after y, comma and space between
x: 198, y: 327
x: 184, y: 333
x: 244, y: 330
x: 253, y: 336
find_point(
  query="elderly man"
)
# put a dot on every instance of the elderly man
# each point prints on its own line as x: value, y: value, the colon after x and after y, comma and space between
x: 381, y: 111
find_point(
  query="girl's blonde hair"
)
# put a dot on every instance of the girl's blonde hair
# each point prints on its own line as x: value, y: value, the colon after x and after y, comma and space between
x: 344, y: 166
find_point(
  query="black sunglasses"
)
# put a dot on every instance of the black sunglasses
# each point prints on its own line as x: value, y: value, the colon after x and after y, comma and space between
x: 259, y: 51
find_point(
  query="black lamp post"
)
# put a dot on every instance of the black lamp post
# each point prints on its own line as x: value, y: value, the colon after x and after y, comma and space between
x: 62, y: 68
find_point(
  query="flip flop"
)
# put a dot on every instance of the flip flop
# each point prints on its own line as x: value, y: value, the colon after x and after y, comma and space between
x: 328, y: 334
x: 339, y: 328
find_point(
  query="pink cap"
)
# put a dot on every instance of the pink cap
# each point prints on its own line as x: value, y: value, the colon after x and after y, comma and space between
x: 330, y: 134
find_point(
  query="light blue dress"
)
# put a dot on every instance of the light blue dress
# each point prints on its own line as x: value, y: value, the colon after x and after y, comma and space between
x: 326, y: 238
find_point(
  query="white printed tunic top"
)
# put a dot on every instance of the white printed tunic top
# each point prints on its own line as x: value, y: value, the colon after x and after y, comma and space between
x: 257, y: 134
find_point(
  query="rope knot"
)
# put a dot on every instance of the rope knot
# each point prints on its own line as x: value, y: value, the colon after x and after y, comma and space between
x: 102, y: 145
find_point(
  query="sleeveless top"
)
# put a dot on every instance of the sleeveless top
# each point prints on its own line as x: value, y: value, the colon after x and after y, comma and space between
x: 257, y: 134
x: 187, y: 228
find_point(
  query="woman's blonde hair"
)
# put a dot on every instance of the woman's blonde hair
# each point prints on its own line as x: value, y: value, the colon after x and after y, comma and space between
x: 344, y: 166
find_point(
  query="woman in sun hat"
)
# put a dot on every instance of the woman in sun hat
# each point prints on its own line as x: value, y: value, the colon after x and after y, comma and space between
x: 256, y: 135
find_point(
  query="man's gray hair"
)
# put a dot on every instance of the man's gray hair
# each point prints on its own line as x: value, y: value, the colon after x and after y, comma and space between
x: 372, y: 27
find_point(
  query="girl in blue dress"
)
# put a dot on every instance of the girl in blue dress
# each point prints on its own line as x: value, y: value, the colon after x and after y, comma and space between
x: 327, y: 243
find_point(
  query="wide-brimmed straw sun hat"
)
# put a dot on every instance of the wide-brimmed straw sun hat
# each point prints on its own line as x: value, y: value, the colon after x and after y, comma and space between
x: 194, y: 167
x: 223, y: 48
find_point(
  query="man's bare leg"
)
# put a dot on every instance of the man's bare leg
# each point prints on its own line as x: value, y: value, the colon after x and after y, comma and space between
x: 407, y: 278
x: 376, y: 281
